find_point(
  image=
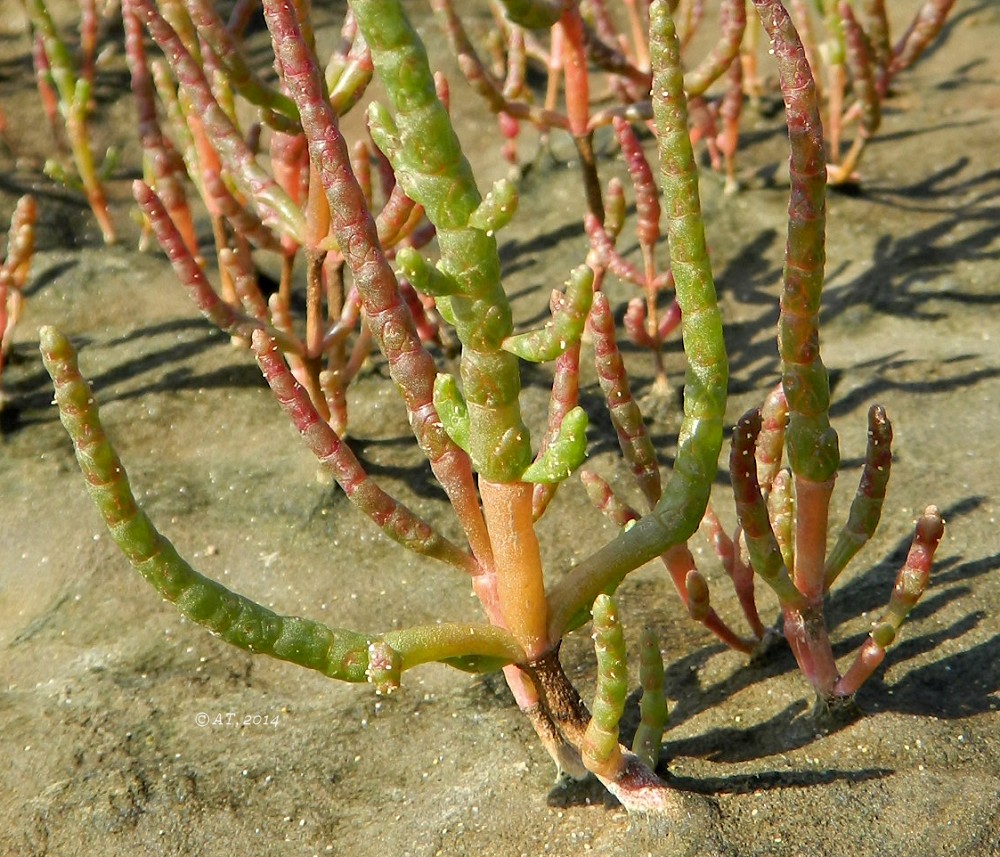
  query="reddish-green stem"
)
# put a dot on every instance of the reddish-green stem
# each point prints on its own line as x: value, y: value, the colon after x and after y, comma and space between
x: 410, y: 365
x: 398, y: 522
x: 866, y: 510
x: 626, y: 417
x: 911, y: 583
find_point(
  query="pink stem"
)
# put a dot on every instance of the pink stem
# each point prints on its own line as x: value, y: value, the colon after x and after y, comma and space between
x: 410, y: 365
x: 390, y: 515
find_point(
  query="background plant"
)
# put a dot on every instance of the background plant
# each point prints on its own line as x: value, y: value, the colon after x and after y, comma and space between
x: 14, y: 270
x: 268, y: 200
x: 66, y: 87
x: 593, y: 59
x: 857, y: 61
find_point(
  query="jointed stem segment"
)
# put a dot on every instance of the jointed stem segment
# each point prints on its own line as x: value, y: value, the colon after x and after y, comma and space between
x: 866, y: 510
x: 429, y: 163
x: 601, y: 752
x: 680, y: 508
x: 811, y: 441
x: 335, y: 652
x: 911, y: 583
x: 652, y: 705
x: 237, y: 620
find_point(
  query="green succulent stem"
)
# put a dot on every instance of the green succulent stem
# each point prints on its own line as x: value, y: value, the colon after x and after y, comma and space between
x: 425, y: 153
x: 648, y: 738
x: 564, y: 454
x: 562, y: 401
x: 679, y: 511
x: 452, y: 410
x: 468, y: 647
x: 569, y: 316
x: 335, y: 652
x: 601, y: 752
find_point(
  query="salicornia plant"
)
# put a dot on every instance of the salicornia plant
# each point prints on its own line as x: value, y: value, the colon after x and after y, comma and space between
x: 470, y: 427
x: 796, y: 565
x: 849, y: 45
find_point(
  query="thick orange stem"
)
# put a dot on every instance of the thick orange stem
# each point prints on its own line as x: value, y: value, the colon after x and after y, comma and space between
x: 518, y: 563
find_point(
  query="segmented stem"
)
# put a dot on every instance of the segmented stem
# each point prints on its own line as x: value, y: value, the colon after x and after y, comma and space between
x: 633, y: 438
x: 765, y: 555
x: 74, y: 96
x: 781, y: 510
x: 647, y: 195
x: 653, y: 704
x: 911, y: 583
x: 876, y: 28
x: 244, y: 221
x: 600, y: 751
x: 733, y: 21
x: 564, y: 453
x: 680, y: 509
x: 468, y: 647
x: 164, y: 165
x: 483, y: 82
x: 424, y: 150
x: 921, y: 32
x: 604, y: 499
x: 771, y: 439
x: 569, y: 316
x: 564, y: 398
x: 336, y: 653
x: 20, y: 242
x: 602, y: 239
x: 14, y: 273
x: 813, y: 450
x: 865, y: 86
x: 862, y: 67
x: 866, y: 510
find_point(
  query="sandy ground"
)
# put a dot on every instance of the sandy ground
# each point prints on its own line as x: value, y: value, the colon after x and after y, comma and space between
x: 104, y: 689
